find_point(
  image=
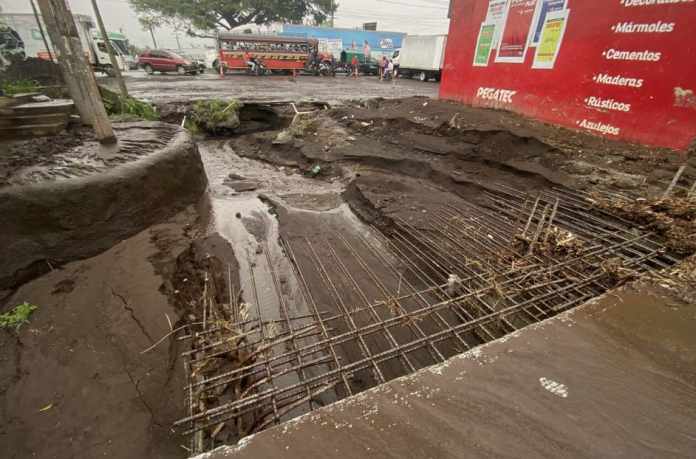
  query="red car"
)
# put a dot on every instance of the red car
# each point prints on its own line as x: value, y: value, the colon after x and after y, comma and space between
x: 157, y: 60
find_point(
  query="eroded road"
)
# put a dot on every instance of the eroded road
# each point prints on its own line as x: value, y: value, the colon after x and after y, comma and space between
x: 172, y: 88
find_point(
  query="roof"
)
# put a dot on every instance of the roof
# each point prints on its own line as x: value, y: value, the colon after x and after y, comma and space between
x: 266, y: 38
x: 340, y: 29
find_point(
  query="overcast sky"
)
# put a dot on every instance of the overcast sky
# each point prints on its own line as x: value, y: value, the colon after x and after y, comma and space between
x: 410, y: 16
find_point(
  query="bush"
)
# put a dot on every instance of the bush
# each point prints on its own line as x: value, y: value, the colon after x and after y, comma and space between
x: 10, y: 88
x: 127, y: 108
x: 17, y: 316
x: 215, y: 116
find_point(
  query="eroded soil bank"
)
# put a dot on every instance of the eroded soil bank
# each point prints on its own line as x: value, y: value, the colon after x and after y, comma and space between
x: 75, y: 381
x: 70, y: 197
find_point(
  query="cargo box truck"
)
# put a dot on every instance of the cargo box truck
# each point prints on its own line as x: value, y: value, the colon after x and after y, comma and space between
x: 29, y: 43
x: 422, y: 56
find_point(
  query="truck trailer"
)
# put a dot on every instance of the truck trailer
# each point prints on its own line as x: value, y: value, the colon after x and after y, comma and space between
x: 29, y: 42
x: 422, y: 56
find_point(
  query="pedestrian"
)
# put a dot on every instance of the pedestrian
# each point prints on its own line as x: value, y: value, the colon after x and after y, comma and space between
x: 355, y: 63
x: 380, y: 64
x: 390, y: 68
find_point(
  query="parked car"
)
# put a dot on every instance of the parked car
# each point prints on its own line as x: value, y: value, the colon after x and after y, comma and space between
x: 157, y: 60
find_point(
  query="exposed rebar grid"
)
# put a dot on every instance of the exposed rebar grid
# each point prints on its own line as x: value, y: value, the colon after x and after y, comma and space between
x: 386, y: 304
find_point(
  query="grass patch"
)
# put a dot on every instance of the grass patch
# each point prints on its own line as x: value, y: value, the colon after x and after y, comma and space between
x: 17, y: 316
x: 215, y: 116
x: 121, y: 108
x: 10, y: 88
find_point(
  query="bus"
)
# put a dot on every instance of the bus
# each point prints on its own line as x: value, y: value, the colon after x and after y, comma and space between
x: 275, y: 53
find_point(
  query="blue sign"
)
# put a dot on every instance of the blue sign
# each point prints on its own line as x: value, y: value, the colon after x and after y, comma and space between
x: 546, y: 6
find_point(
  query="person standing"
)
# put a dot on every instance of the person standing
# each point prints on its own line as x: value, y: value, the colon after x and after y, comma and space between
x: 355, y: 63
x: 380, y: 65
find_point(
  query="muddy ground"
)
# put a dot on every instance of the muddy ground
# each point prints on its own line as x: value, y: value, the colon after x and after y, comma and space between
x: 74, y: 381
x: 614, y: 378
x: 172, y: 88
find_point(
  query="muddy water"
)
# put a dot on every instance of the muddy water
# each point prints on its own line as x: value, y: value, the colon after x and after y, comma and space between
x: 248, y: 223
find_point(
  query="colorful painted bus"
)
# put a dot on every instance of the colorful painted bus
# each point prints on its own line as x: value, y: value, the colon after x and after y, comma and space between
x: 273, y: 52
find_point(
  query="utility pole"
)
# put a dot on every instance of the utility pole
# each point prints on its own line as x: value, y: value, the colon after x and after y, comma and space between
x: 110, y: 49
x: 41, y: 30
x: 77, y: 73
x: 176, y: 36
x: 332, y: 13
x: 152, y: 34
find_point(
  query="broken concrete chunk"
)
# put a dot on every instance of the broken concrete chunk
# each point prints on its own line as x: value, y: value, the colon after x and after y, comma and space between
x: 579, y: 167
x: 283, y: 138
x: 240, y: 184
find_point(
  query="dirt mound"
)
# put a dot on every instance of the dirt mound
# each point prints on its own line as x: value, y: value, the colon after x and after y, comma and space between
x: 79, y: 204
x: 523, y: 142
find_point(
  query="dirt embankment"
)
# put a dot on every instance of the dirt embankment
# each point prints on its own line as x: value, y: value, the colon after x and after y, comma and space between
x: 466, y: 142
x: 83, y: 198
x: 75, y: 381
x: 381, y: 145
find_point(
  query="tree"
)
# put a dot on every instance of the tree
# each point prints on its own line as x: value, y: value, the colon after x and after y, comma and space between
x: 227, y: 14
x: 151, y: 21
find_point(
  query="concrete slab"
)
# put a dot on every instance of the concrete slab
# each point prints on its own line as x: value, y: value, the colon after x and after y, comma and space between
x: 615, y: 378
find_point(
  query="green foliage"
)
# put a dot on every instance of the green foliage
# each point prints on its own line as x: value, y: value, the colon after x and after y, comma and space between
x: 215, y: 116
x: 227, y: 14
x: 127, y: 108
x: 300, y: 125
x: 10, y: 88
x: 17, y: 316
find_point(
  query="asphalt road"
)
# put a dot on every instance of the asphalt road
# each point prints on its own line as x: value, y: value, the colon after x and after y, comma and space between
x: 171, y: 88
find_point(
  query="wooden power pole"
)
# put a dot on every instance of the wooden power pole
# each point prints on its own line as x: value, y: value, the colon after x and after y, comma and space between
x: 110, y: 49
x: 41, y: 30
x: 77, y: 72
x: 152, y: 34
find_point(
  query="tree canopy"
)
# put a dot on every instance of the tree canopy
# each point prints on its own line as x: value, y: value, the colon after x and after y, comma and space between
x: 228, y: 14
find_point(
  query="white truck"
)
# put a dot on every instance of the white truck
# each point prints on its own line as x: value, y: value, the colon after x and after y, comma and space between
x: 27, y: 40
x: 422, y: 56
x: 120, y: 45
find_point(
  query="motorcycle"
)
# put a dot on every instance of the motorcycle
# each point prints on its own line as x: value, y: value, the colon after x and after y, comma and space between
x: 326, y: 68
x: 256, y: 67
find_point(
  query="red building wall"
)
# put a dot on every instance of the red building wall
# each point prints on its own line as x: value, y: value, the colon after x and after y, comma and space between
x: 623, y: 69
